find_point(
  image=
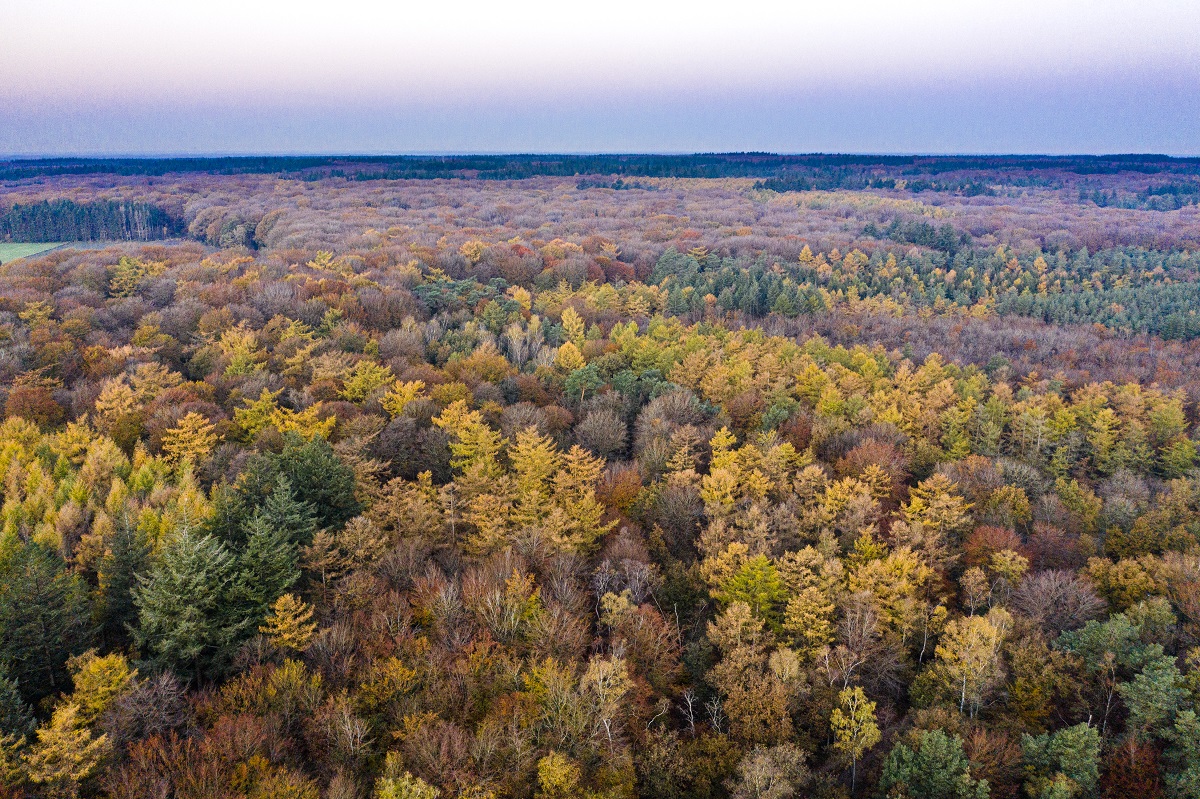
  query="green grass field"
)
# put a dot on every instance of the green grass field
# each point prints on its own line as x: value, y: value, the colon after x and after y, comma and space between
x: 9, y: 251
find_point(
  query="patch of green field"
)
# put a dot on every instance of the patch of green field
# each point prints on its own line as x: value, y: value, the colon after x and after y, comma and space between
x: 10, y: 251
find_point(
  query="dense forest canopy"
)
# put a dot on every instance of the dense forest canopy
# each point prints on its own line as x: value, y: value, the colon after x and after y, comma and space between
x: 601, y: 476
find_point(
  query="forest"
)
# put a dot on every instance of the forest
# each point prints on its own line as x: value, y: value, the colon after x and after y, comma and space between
x: 618, y: 477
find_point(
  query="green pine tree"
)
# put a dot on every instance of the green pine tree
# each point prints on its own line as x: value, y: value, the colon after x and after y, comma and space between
x: 127, y: 555
x: 293, y: 518
x: 933, y: 768
x: 268, y: 566
x: 186, y: 619
x: 44, y: 619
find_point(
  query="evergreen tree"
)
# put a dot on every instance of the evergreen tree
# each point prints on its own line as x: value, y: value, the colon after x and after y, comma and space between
x: 934, y: 768
x: 313, y: 472
x: 127, y: 555
x: 1062, y: 764
x: 44, y: 619
x: 267, y: 567
x: 185, y: 616
x: 294, y: 519
x: 16, y: 717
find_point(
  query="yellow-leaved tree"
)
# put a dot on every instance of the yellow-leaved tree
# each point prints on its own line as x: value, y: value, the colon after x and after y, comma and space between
x: 191, y: 440
x: 290, y: 624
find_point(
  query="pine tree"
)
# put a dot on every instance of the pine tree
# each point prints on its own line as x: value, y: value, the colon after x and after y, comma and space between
x: 267, y: 567
x: 1064, y: 763
x: 126, y: 556
x: 44, y: 619
x: 933, y: 768
x: 185, y: 616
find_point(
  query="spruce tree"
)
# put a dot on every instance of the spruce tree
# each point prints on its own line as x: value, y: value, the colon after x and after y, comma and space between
x: 16, y: 717
x: 127, y: 554
x: 44, y: 619
x: 187, y: 621
x: 268, y: 566
x: 293, y: 518
x: 314, y: 473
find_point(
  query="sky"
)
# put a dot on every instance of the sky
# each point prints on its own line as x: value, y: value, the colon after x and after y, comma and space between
x: 141, y: 77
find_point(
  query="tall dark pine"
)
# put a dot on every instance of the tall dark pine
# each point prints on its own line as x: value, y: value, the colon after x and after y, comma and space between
x: 44, y: 619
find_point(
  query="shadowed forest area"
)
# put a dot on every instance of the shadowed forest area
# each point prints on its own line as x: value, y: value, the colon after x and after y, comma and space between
x: 729, y: 475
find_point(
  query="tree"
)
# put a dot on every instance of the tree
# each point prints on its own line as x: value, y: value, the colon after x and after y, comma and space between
x: 126, y: 555
x: 573, y: 326
x: 775, y: 772
x: 1110, y: 651
x: 268, y: 566
x: 99, y: 681
x: 406, y: 786
x: 16, y: 717
x: 1063, y: 764
x: 569, y: 358
x: 365, y: 379
x: 290, y: 624
x: 755, y: 698
x: 185, y: 616
x: 603, y: 432
x: 192, y: 439
x: 934, y: 506
x: 854, y: 727
x: 1184, y: 753
x: 809, y: 618
x: 606, y: 682
x: 65, y: 752
x: 399, y: 397
x: 312, y: 471
x: 44, y: 619
x: 558, y: 777
x: 757, y: 584
x: 294, y: 519
x: 968, y: 658
x: 934, y: 767
x: 1154, y: 696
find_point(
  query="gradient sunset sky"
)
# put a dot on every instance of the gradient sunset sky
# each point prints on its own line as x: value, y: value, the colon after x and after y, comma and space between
x: 239, y: 76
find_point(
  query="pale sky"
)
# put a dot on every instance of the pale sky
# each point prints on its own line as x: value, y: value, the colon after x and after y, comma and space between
x: 932, y: 76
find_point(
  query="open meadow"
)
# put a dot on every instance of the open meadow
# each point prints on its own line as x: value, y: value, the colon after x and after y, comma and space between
x: 10, y: 250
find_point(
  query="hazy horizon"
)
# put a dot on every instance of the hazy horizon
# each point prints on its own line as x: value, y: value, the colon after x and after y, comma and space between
x: 133, y: 77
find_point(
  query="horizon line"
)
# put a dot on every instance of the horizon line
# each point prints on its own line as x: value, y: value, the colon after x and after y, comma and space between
x: 149, y: 156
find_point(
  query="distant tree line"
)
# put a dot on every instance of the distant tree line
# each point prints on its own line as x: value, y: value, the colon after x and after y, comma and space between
x: 708, y: 165
x: 66, y: 220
